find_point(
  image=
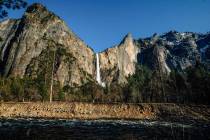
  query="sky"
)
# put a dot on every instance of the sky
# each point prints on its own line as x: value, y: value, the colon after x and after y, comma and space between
x: 103, y: 23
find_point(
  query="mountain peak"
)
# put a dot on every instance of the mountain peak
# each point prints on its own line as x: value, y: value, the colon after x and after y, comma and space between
x: 36, y: 7
x: 39, y: 14
x: 39, y: 11
x: 128, y: 38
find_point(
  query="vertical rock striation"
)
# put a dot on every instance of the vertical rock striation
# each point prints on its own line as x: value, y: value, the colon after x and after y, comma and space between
x: 27, y: 40
x: 40, y: 44
x: 118, y: 63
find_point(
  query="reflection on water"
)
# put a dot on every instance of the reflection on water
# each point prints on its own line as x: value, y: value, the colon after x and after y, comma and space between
x: 37, y: 129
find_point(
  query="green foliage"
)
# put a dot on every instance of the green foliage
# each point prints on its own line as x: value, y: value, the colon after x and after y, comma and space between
x: 27, y: 89
x: 177, y: 87
x: 88, y: 92
x: 141, y: 76
x: 31, y: 89
x: 190, y: 86
x: 5, y: 91
x: 43, y: 90
x: 199, y: 79
x: 6, y: 5
x: 92, y: 92
x: 1, y: 39
x: 17, y: 88
x: 61, y: 95
x: 12, y: 89
x: 43, y: 68
x: 136, y: 84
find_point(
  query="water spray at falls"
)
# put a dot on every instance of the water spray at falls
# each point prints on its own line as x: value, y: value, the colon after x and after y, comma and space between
x: 98, y: 74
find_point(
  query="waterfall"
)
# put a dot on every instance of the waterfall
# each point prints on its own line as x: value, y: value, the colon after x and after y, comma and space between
x: 98, y: 74
x: 203, y: 51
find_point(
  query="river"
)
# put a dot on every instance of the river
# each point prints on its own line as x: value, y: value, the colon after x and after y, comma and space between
x: 40, y: 129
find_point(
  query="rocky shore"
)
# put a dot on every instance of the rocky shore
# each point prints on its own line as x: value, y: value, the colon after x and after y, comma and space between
x: 79, y: 110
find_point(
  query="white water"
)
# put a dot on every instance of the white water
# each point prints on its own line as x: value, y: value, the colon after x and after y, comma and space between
x: 98, y: 74
x: 203, y: 51
x: 167, y: 68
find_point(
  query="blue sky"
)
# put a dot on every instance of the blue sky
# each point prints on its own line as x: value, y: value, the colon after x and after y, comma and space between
x: 103, y: 23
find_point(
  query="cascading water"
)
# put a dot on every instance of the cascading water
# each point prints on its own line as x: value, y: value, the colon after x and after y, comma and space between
x: 98, y: 74
x: 203, y: 51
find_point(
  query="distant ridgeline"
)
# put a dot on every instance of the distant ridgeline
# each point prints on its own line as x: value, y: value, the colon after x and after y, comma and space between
x: 42, y: 59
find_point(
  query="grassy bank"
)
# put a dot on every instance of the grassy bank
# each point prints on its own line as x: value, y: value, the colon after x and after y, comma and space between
x: 81, y: 110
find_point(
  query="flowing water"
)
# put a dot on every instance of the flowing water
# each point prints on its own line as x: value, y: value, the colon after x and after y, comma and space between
x: 98, y: 74
x: 38, y: 129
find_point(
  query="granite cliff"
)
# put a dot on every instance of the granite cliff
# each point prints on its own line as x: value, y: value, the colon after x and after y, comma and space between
x: 175, y: 50
x: 30, y: 44
x: 40, y: 45
x: 118, y: 63
x: 41, y: 41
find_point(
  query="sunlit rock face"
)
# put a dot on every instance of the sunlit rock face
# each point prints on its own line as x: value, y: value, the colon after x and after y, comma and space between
x: 26, y: 41
x: 40, y: 45
x: 118, y: 63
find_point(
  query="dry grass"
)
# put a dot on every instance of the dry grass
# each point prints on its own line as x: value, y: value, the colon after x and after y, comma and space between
x: 80, y: 110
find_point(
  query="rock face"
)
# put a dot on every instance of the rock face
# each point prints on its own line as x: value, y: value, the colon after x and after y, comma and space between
x: 118, y: 63
x: 167, y: 52
x: 174, y: 50
x: 29, y: 42
x: 155, y: 58
x: 40, y: 45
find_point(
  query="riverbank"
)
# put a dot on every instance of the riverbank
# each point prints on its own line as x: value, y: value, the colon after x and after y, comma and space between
x: 93, y: 111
